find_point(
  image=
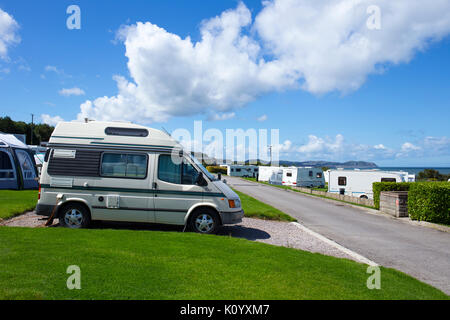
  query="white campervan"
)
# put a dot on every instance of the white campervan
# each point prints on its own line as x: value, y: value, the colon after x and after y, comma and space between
x: 126, y: 172
x: 358, y: 183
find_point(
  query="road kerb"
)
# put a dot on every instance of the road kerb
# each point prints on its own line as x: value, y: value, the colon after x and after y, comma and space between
x: 345, y: 250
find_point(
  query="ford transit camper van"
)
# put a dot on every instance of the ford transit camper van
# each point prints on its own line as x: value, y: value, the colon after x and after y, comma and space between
x: 126, y: 172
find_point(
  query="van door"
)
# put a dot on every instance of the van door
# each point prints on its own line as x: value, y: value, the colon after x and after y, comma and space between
x: 124, y: 189
x: 175, y: 187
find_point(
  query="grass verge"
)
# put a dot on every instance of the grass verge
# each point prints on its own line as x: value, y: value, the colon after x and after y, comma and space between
x: 14, y: 202
x: 124, y: 264
x: 256, y: 209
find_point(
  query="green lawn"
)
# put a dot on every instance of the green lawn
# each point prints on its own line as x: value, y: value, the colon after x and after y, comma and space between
x: 257, y: 209
x: 13, y: 202
x: 125, y: 264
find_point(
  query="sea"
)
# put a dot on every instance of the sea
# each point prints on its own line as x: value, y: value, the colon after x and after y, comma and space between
x: 415, y: 170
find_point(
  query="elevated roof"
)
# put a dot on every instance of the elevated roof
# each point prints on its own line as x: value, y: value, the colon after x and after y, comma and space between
x: 110, y: 134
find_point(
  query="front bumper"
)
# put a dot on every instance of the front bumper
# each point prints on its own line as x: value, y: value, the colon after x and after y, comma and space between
x: 232, y: 217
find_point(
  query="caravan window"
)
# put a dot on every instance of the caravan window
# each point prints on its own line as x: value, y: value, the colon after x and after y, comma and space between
x: 238, y: 170
x: 319, y: 175
x: 6, y: 168
x: 388, y: 180
x: 120, y: 165
x: 342, y: 181
x: 288, y: 174
x: 178, y: 173
x: 310, y: 173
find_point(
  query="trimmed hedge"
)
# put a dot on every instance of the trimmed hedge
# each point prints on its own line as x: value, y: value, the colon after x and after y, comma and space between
x: 377, y: 187
x: 429, y: 201
x: 217, y: 169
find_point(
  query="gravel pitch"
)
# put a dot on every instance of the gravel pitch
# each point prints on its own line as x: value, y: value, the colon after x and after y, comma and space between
x: 271, y: 232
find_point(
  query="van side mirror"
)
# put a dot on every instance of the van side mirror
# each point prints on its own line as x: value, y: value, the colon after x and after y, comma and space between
x: 201, y: 180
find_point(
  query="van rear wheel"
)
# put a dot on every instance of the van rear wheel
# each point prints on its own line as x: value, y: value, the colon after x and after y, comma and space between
x: 204, y: 221
x: 74, y: 216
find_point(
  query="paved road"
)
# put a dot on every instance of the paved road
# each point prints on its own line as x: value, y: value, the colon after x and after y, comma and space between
x: 421, y: 252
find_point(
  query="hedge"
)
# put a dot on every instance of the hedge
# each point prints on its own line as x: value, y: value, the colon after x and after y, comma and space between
x: 377, y: 187
x: 217, y: 169
x: 429, y: 201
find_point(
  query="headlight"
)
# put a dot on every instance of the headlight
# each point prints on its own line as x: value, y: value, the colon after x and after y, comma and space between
x: 234, y: 203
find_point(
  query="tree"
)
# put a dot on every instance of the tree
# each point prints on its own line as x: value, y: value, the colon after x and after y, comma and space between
x: 40, y: 132
x: 432, y: 175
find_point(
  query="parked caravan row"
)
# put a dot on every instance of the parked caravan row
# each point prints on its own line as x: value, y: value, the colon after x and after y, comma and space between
x: 358, y: 183
x: 242, y: 171
x: 17, y: 164
x: 126, y: 172
x: 299, y: 177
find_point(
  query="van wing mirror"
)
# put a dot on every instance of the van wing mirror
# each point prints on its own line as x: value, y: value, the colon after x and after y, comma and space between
x: 201, y: 181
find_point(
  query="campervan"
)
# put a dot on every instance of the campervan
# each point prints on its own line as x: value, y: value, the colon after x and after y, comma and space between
x: 358, y: 183
x: 266, y: 172
x: 17, y: 165
x: 126, y: 172
x: 246, y: 171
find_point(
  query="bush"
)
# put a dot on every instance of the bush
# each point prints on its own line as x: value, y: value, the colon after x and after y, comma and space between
x: 387, y: 186
x: 429, y: 201
x: 217, y: 169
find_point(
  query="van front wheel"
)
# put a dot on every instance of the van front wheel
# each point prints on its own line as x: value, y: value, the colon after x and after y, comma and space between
x: 74, y: 216
x: 204, y: 221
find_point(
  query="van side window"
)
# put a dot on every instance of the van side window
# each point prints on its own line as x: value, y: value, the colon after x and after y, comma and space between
x: 120, y: 165
x: 388, y: 180
x: 342, y: 181
x: 178, y: 173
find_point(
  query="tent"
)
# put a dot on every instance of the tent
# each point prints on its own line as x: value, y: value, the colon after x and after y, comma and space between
x: 17, y: 165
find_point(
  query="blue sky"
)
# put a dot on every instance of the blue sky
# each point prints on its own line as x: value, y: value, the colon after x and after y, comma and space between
x: 395, y: 117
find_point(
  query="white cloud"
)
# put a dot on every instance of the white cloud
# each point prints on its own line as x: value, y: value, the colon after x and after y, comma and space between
x: 262, y: 118
x: 52, y: 121
x: 320, y: 46
x: 72, y: 92
x: 407, y: 147
x: 8, y: 33
x: 221, y: 116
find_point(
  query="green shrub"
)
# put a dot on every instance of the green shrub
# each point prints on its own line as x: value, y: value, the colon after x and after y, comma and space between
x: 387, y: 186
x: 430, y: 201
x: 217, y: 169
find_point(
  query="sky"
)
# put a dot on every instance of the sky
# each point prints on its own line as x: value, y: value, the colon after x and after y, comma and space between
x: 341, y: 80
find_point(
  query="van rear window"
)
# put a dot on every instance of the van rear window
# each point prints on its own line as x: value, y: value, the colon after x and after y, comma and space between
x: 127, y: 132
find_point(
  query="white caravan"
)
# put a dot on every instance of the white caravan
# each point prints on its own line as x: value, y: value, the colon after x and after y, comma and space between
x: 358, y: 183
x: 266, y: 172
x: 299, y: 177
x: 126, y: 172
x: 242, y: 171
